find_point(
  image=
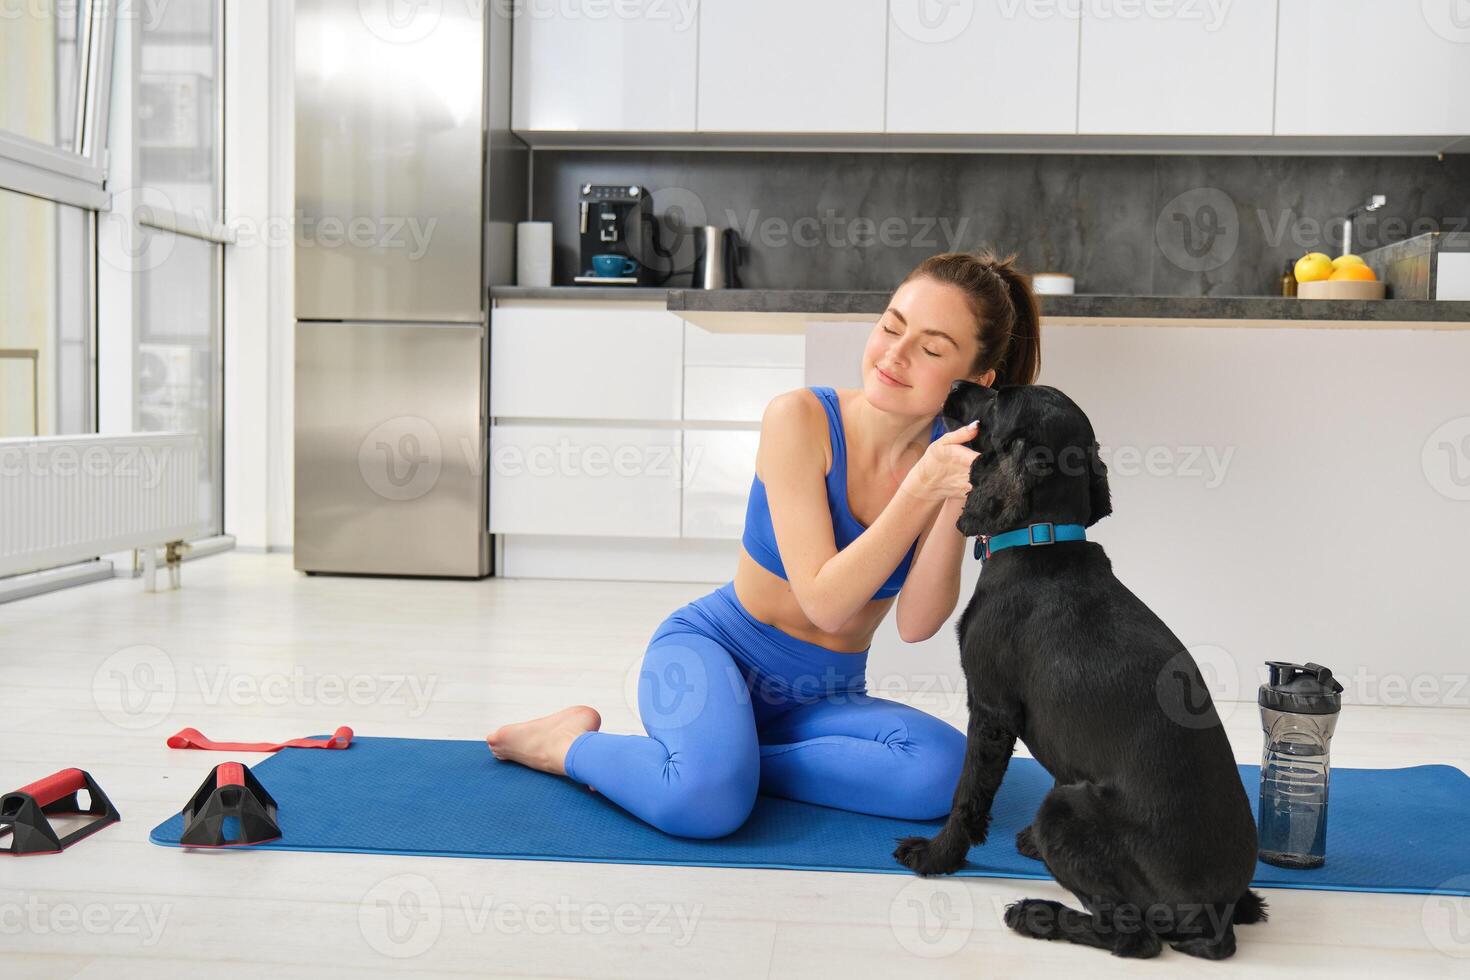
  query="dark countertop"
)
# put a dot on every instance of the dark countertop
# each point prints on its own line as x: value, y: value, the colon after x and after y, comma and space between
x: 1086, y: 306
x: 863, y: 304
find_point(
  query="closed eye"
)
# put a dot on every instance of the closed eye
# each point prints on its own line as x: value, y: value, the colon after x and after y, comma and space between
x: 894, y: 333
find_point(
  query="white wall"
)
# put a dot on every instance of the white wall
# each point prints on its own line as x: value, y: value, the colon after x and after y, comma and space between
x: 259, y: 198
x: 1331, y: 528
x: 247, y: 148
x: 281, y: 382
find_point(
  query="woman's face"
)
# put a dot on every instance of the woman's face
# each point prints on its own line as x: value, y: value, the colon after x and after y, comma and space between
x: 924, y: 342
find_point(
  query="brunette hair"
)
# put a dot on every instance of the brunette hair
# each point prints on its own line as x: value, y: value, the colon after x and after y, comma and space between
x: 1007, y: 319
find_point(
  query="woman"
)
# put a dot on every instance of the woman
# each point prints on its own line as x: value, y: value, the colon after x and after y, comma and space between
x: 760, y: 684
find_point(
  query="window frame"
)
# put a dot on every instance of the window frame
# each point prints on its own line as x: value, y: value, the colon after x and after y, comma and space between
x: 79, y: 177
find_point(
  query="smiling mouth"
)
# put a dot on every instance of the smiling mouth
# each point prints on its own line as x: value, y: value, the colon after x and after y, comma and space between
x: 888, y: 378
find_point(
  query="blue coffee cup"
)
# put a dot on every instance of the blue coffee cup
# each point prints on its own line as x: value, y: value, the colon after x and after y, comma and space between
x: 610, y: 265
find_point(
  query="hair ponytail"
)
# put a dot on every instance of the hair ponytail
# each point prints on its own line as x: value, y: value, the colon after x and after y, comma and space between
x: 1021, y: 362
x: 1006, y: 312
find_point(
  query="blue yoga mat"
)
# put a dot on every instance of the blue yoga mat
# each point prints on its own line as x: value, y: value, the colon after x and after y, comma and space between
x: 1391, y: 830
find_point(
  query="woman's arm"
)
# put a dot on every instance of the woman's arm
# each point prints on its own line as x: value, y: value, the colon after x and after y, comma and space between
x: 932, y: 588
x: 829, y: 585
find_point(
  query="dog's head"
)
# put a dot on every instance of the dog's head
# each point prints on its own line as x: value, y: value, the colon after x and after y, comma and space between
x: 1038, y: 458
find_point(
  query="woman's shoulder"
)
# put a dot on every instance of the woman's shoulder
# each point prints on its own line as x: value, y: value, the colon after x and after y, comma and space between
x: 796, y: 405
x: 798, y: 417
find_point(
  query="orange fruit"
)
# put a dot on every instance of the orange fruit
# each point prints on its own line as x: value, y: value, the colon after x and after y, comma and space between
x: 1351, y: 270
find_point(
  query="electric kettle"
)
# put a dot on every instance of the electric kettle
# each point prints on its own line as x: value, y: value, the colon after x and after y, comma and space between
x: 717, y: 258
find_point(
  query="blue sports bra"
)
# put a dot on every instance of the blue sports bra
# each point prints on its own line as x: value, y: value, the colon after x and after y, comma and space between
x: 759, y: 538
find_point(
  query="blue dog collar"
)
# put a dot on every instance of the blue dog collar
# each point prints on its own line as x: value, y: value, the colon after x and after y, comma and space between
x: 1032, y: 534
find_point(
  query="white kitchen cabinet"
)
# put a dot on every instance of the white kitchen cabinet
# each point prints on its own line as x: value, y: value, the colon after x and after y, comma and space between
x: 958, y: 68
x: 734, y: 394
x: 731, y: 377
x: 774, y: 66
x: 613, y: 422
x: 614, y: 361
x: 1373, y: 67
x: 600, y: 481
x: 718, y: 468
x: 586, y: 67
x: 1179, y: 67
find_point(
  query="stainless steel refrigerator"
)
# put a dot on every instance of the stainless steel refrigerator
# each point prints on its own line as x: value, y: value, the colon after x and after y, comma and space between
x: 402, y: 116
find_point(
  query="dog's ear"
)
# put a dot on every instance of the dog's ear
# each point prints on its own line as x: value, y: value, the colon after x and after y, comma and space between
x: 967, y: 402
x: 1099, y: 497
x: 1026, y: 465
x: 1001, y: 495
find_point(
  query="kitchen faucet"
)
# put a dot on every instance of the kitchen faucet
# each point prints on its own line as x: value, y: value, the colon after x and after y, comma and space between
x: 1373, y: 203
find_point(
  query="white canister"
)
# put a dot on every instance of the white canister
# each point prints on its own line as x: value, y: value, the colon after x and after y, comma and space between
x: 533, y: 253
x: 1053, y: 284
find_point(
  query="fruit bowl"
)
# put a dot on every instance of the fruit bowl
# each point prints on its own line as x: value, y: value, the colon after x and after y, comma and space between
x: 1341, y: 289
x: 1345, y: 277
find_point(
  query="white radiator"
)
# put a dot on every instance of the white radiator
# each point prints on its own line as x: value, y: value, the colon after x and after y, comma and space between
x: 70, y: 498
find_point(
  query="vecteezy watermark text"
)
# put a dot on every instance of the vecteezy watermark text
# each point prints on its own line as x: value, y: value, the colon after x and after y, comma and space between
x: 403, y: 916
x: 835, y: 230
x: 143, y: 463
x: 38, y: 917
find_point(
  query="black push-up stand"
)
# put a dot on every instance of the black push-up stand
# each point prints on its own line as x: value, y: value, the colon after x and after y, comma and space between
x: 230, y: 809
x: 25, y: 813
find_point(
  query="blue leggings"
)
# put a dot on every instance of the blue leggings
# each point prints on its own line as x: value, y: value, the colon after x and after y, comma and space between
x: 734, y: 706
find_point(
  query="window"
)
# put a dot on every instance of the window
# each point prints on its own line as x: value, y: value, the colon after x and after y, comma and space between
x: 165, y: 147
x: 178, y: 366
x: 41, y: 71
x: 50, y: 186
x: 45, y: 323
x: 175, y: 122
x: 111, y: 233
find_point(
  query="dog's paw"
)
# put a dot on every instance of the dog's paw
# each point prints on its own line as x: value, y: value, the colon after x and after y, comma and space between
x: 1026, y: 844
x: 1137, y: 945
x: 1035, y: 917
x: 1041, y: 918
x: 925, y: 856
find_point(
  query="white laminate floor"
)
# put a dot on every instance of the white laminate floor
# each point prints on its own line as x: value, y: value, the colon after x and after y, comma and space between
x: 97, y: 676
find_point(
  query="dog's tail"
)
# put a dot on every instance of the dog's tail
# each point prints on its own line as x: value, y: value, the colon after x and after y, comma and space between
x: 1250, y: 908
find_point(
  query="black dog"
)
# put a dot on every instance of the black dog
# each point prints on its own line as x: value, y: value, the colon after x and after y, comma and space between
x: 1148, y: 824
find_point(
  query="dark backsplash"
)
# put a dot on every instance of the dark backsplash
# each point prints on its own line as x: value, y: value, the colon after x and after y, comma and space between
x: 1165, y: 225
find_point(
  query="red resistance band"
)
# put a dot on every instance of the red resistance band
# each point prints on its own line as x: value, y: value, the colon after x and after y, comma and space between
x: 191, y: 738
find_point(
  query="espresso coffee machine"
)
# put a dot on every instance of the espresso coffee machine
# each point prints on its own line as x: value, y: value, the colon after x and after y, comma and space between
x: 617, y: 234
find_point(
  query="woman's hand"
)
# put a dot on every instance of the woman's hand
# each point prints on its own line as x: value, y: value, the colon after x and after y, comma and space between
x: 944, y: 469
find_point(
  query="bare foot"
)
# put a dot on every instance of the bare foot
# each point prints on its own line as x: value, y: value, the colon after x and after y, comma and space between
x: 542, y: 743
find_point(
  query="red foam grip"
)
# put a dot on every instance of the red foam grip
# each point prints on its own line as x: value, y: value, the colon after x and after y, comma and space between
x: 229, y: 774
x: 55, y: 786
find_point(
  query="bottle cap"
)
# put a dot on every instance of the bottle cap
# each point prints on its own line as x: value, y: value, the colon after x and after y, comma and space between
x: 1309, y: 689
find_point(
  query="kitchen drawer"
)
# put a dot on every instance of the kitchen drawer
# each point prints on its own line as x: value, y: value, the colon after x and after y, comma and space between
x: 718, y: 468
x: 707, y: 347
x: 584, y: 480
x: 734, y: 394
x: 599, y: 362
